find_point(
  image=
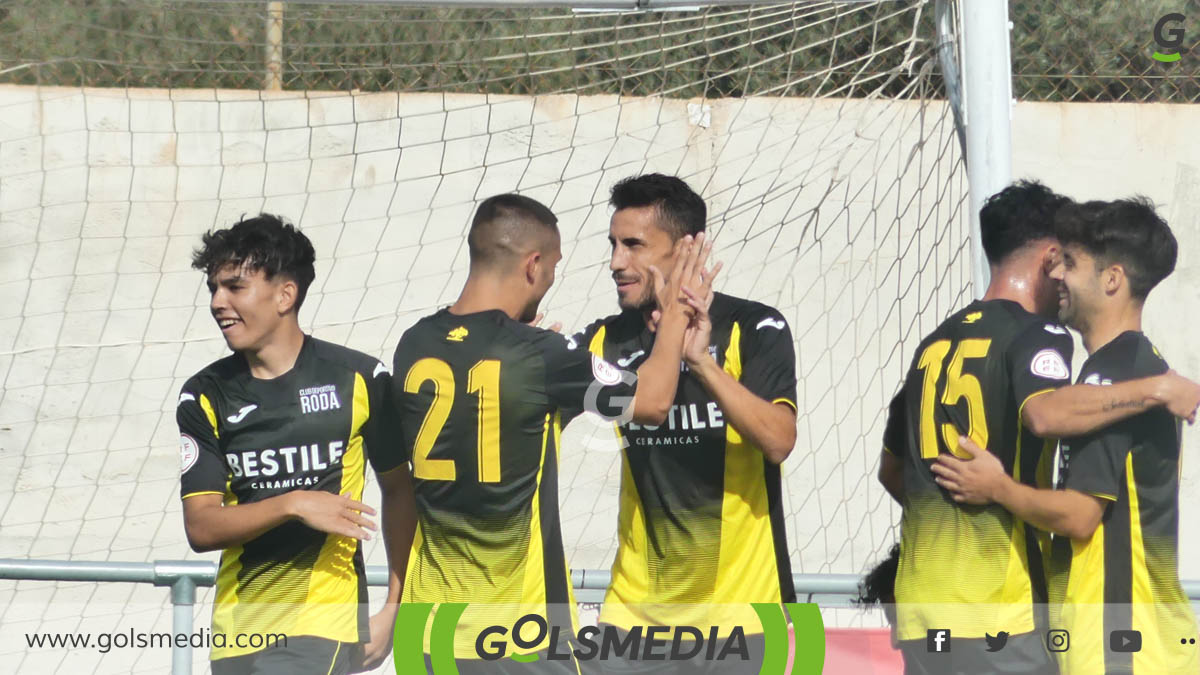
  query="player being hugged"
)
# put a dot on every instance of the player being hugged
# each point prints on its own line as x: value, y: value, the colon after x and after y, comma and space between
x: 1114, y: 569
x: 275, y: 439
x: 482, y: 397
x: 996, y: 371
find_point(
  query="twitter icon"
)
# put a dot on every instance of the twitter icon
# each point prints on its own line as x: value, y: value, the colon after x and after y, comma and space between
x: 997, y: 643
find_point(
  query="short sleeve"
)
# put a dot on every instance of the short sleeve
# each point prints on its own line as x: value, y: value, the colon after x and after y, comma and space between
x: 1040, y: 360
x: 1096, y: 463
x: 385, y: 446
x: 768, y: 358
x: 893, y: 430
x: 579, y: 381
x: 203, y: 468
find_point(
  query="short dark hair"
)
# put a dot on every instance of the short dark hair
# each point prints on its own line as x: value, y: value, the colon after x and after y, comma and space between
x: 681, y: 211
x: 1127, y: 232
x: 264, y: 243
x: 507, y: 225
x: 1017, y: 216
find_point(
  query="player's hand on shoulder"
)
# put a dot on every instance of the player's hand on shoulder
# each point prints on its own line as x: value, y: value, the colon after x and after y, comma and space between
x: 1180, y: 395
x: 335, y: 514
x: 971, y: 480
x: 555, y: 327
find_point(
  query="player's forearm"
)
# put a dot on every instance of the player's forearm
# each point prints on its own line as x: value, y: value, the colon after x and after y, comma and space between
x: 1057, y: 511
x: 891, y: 476
x: 771, y: 427
x: 399, y: 526
x: 658, y: 377
x: 214, y: 527
x: 1083, y: 408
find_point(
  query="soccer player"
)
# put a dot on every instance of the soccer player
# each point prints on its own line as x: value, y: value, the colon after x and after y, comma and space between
x: 701, y: 531
x: 1114, y: 579
x: 995, y: 371
x: 482, y: 397
x: 274, y: 441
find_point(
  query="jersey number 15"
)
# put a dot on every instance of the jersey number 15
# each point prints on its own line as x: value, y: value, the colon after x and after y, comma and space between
x: 959, y: 385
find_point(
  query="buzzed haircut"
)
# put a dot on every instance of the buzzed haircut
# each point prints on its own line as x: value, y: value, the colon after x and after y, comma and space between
x: 1017, y: 216
x: 680, y: 210
x: 264, y: 243
x: 508, y: 226
x: 1126, y: 232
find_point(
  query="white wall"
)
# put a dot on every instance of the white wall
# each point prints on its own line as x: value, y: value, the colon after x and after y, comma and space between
x: 1111, y: 150
x: 847, y: 215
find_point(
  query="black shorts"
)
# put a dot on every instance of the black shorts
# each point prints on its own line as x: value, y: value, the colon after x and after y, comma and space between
x: 302, y: 655
x: 1025, y: 654
x: 700, y: 662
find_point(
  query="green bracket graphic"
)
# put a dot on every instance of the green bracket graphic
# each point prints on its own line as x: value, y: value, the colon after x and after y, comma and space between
x: 408, y: 638
x: 408, y: 644
x: 1166, y: 58
x: 441, y: 640
x: 809, y: 657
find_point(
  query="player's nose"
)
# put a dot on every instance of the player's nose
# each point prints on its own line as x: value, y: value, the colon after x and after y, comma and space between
x: 618, y: 260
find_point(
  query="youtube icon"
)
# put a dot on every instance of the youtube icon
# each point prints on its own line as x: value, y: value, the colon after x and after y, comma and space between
x: 1125, y: 641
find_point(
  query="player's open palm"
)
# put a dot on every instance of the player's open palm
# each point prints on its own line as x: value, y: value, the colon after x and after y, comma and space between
x: 335, y: 514
x: 699, y: 332
x: 668, y: 290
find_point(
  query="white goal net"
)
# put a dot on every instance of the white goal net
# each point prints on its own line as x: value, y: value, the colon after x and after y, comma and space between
x: 818, y: 133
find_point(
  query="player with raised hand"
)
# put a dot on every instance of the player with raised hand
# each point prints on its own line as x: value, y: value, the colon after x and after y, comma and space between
x: 996, y: 370
x: 482, y: 397
x: 275, y: 439
x: 700, y: 527
x: 1113, y: 573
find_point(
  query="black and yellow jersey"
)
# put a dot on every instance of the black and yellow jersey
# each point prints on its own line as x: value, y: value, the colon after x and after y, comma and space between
x: 701, y: 527
x: 1125, y: 577
x: 247, y: 439
x: 482, y: 400
x: 973, y: 569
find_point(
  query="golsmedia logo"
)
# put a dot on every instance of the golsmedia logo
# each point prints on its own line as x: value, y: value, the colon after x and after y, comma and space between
x: 530, y: 632
x: 1168, y: 34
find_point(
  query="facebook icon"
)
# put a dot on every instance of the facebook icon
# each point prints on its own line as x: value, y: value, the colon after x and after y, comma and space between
x: 937, y: 640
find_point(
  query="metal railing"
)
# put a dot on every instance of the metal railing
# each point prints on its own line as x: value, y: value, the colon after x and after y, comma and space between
x: 184, y: 576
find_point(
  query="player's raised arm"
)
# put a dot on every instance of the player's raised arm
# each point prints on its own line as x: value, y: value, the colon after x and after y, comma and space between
x: 1084, y: 408
x: 760, y: 405
x: 658, y: 376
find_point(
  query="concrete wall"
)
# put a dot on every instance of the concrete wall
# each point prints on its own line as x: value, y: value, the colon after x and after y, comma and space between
x: 847, y: 215
x: 1111, y: 150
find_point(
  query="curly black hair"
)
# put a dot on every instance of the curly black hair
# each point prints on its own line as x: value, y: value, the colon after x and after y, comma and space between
x: 1016, y: 216
x: 264, y: 243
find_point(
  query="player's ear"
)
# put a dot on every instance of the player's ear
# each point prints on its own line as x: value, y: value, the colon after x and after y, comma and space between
x: 1050, y: 258
x: 533, y: 263
x: 285, y: 296
x: 1113, y: 278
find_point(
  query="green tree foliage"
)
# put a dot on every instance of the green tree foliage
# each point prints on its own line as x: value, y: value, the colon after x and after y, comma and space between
x: 1061, y: 51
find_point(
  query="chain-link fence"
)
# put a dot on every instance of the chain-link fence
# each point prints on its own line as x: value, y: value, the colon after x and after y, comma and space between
x: 715, y: 52
x: 1062, y: 51
x: 1102, y: 51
